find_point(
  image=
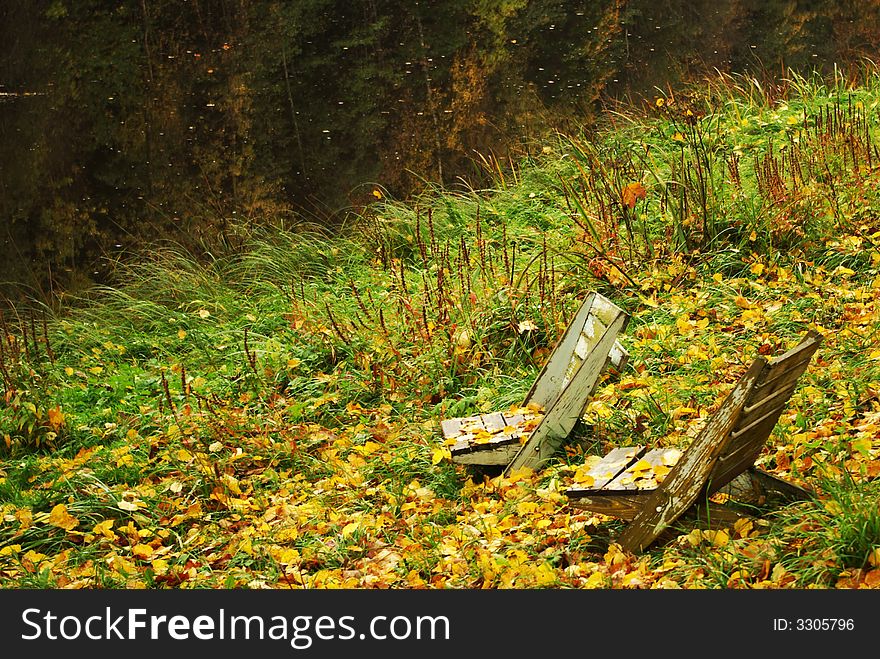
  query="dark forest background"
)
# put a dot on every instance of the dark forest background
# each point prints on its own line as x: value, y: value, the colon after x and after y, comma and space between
x: 135, y: 120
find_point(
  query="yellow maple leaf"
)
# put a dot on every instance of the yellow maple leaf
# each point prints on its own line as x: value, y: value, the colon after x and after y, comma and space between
x: 439, y: 455
x: 595, y: 580
x: 683, y: 323
x: 717, y: 538
x: 581, y: 477
x: 160, y: 566
x: 62, y: 519
x: 104, y: 529
x: 660, y: 472
x: 683, y: 412
x: 144, y: 552
x: 25, y: 517
x: 482, y: 437
x: 641, y: 466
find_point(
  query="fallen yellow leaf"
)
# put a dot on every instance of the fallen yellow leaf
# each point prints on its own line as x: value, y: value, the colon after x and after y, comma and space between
x: 142, y: 551
x: 62, y: 519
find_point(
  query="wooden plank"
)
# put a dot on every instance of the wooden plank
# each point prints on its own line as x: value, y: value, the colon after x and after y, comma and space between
x: 608, y: 468
x: 755, y: 407
x: 506, y: 433
x: 618, y: 357
x: 560, y: 418
x: 641, y: 473
x: 450, y: 427
x: 753, y: 427
x: 627, y: 504
x: 786, y: 380
x: 750, y: 424
x: 621, y: 503
x: 797, y: 359
x: 604, y: 309
x: 493, y: 422
x: 803, y: 350
x: 495, y: 456
x: 548, y: 385
x: 683, y: 484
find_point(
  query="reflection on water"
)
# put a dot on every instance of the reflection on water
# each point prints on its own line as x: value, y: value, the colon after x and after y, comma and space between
x: 126, y: 121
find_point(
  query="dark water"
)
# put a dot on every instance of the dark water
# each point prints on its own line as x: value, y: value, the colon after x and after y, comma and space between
x: 123, y: 122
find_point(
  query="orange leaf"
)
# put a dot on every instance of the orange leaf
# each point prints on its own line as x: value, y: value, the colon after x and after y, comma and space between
x: 56, y: 418
x: 633, y: 192
x: 872, y: 579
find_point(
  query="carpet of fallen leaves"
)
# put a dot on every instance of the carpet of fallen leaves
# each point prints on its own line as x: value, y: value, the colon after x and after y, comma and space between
x: 242, y: 498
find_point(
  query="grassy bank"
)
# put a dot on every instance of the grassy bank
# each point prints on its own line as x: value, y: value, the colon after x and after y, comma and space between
x: 269, y: 417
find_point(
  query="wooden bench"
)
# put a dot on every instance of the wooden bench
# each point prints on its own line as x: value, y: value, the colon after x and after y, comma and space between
x: 528, y: 434
x: 653, y: 488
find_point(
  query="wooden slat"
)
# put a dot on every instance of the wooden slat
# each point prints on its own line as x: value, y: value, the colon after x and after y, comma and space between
x: 492, y: 456
x: 608, y: 468
x: 786, y: 380
x: 755, y: 407
x: 450, y: 427
x: 622, y: 503
x: 618, y: 357
x: 753, y: 425
x: 626, y: 505
x: 626, y: 479
x: 605, y: 310
x: 513, y: 419
x: 493, y: 422
x: 802, y: 351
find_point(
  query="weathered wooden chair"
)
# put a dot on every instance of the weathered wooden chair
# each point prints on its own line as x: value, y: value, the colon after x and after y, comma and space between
x: 530, y: 434
x: 653, y: 489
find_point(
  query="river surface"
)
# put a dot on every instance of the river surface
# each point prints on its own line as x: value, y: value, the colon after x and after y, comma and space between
x: 122, y: 122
